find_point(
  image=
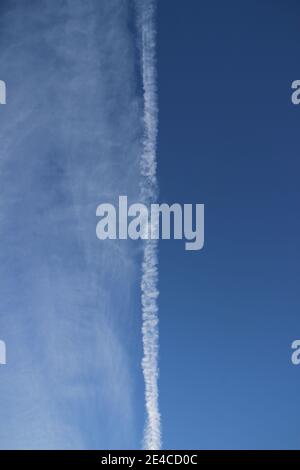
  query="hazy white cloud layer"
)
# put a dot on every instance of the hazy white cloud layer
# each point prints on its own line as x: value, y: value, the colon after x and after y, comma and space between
x: 69, y: 136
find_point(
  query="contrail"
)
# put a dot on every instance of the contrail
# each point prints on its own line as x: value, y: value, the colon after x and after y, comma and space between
x: 149, y: 193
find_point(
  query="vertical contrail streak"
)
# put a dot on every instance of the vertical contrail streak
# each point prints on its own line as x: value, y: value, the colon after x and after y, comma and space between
x: 149, y: 191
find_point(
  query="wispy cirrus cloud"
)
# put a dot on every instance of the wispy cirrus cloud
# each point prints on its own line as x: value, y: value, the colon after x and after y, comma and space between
x: 69, y: 140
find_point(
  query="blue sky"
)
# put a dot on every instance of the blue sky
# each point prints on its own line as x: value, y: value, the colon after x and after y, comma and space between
x: 229, y: 138
x: 70, y: 305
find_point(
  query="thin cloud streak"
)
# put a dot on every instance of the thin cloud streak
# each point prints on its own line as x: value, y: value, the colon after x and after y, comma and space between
x: 149, y: 194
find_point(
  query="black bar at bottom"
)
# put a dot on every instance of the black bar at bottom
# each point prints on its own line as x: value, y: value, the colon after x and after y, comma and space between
x: 135, y: 459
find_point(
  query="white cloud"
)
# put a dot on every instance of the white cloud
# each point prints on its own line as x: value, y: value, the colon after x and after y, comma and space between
x: 69, y: 141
